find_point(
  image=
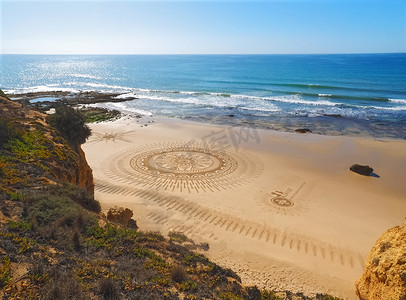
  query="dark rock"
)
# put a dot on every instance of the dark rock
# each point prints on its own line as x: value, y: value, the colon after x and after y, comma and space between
x: 333, y: 115
x: 303, y: 130
x: 253, y: 293
x: 363, y: 170
x: 231, y: 116
x: 132, y: 224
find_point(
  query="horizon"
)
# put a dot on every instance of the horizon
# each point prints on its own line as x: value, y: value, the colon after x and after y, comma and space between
x: 301, y: 27
x: 200, y: 54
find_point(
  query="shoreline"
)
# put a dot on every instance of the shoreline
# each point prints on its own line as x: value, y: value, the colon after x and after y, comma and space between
x: 317, y: 244
x: 326, y: 124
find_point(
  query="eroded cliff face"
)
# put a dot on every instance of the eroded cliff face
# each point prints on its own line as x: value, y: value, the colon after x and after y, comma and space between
x: 84, y: 174
x: 33, y: 153
x: 384, y: 276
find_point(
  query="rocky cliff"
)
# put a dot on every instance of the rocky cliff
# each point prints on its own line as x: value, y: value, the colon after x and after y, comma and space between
x: 385, y: 271
x: 28, y: 141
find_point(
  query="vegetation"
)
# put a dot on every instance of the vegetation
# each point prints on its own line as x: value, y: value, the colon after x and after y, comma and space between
x: 98, y: 114
x: 71, y: 124
x: 2, y: 94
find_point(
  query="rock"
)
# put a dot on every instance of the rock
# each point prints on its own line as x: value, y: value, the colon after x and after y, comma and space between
x: 384, y: 276
x: 231, y: 116
x: 303, y: 130
x: 333, y: 115
x: 360, y: 169
x: 121, y: 216
x: 253, y: 293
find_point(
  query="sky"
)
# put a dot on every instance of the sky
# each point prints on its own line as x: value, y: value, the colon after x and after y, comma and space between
x: 202, y: 27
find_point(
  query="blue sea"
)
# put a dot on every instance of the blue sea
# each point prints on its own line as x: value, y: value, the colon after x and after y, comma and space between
x: 349, y: 94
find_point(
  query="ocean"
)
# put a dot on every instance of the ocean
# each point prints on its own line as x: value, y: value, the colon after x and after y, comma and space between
x: 340, y: 94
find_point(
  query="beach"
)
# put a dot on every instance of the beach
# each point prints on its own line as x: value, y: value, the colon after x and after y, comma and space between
x: 281, y: 209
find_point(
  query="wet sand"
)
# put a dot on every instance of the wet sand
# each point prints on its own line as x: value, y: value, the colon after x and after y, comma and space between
x: 281, y: 209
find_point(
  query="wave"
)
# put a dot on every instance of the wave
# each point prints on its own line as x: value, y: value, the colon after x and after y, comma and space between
x: 222, y: 99
x: 402, y: 101
x: 307, y: 86
x: 41, y: 88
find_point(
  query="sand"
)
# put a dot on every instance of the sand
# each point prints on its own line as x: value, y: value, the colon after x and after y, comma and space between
x: 283, y: 210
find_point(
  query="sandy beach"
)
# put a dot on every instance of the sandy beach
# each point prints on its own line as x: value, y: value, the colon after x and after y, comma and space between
x: 281, y: 209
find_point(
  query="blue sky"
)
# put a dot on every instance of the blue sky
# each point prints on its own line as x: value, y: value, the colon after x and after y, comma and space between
x: 203, y: 27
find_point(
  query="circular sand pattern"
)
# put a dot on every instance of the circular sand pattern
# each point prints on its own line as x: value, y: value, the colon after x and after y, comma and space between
x: 184, y: 163
x: 282, y: 201
x: 184, y: 167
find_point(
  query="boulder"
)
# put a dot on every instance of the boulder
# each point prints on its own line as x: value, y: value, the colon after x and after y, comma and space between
x: 384, y: 276
x: 122, y: 216
x: 303, y: 130
x: 362, y: 170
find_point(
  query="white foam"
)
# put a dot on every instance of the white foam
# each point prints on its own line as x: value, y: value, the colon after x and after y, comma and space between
x: 399, y: 108
x: 124, y: 107
x: 41, y: 88
x: 263, y: 109
x: 402, y: 101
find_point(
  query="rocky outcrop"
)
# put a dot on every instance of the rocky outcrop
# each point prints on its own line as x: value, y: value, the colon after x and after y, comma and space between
x: 384, y: 276
x: 85, y: 174
x: 122, y: 216
x: 362, y: 170
x: 303, y: 130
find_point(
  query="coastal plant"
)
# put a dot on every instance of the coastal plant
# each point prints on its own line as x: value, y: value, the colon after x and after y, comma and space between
x: 178, y: 237
x: 108, y: 237
x: 2, y: 94
x: 46, y: 209
x: 5, y: 271
x: 71, y: 124
x: 7, y: 132
x: 188, y: 285
x: 178, y: 274
x: 109, y: 289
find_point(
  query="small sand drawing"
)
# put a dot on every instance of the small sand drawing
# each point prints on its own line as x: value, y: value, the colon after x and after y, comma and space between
x: 111, y: 137
x: 282, y: 198
x: 283, y: 202
x: 183, y: 167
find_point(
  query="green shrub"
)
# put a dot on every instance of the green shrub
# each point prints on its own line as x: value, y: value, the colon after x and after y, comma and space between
x: 178, y: 274
x: 71, y: 124
x: 109, y: 289
x: 5, y: 273
x: 188, y: 285
x: 178, y: 237
x: 76, y: 194
x: 109, y: 236
x: 46, y: 209
x: 7, y: 133
x: 3, y: 95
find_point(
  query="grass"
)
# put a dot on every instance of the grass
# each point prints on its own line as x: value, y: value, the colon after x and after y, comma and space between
x: 5, y: 272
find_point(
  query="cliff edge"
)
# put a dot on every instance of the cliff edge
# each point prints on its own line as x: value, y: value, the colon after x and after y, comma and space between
x: 28, y: 141
x: 384, y: 276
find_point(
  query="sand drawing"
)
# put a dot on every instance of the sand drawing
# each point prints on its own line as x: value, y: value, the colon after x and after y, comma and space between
x: 111, y: 137
x: 283, y: 199
x: 205, y: 217
x: 285, y: 203
x: 184, y: 167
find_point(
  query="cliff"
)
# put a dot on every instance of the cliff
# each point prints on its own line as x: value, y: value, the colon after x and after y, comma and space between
x: 28, y: 140
x: 384, y: 276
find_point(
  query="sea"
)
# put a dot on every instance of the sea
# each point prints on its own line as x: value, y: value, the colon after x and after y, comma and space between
x: 338, y: 94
